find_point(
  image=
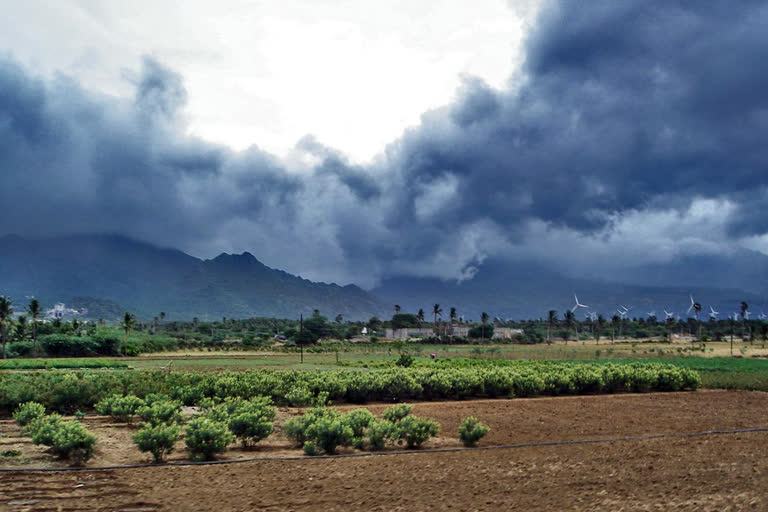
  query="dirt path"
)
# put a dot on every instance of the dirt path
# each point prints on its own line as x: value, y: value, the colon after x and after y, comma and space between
x: 716, y: 472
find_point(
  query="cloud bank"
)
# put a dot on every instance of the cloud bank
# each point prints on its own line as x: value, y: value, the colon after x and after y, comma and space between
x: 634, y: 128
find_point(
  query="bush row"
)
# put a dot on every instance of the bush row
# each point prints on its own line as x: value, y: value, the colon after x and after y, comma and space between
x: 70, y: 391
x: 66, y: 439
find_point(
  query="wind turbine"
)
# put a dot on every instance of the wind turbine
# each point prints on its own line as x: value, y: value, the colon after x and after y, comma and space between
x: 762, y: 316
x: 693, y: 304
x: 712, y: 313
x: 578, y: 304
x: 669, y: 314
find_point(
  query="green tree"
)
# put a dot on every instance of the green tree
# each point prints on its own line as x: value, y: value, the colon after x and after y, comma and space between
x: 453, y: 315
x: 129, y: 322
x: 6, y: 316
x: 551, y: 322
x: 484, y: 321
x: 744, y: 311
x: 600, y: 325
x: 436, y: 311
x: 397, y: 309
x: 420, y: 315
x: 569, y: 319
x: 34, y: 312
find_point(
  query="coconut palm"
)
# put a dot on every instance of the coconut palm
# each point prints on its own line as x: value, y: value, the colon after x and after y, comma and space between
x: 420, y: 315
x: 615, y: 320
x: 339, y: 318
x: 484, y: 320
x: 34, y: 312
x: 436, y: 311
x: 397, y: 309
x: 129, y: 322
x: 551, y: 322
x: 569, y: 318
x: 744, y: 310
x: 6, y: 315
x: 453, y: 315
x: 697, y: 310
x: 600, y: 324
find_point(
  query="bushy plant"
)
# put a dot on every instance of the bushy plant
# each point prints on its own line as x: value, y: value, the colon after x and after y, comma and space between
x: 205, y: 438
x: 188, y: 395
x: 295, y: 429
x: 414, y: 431
x: 299, y: 397
x: 253, y: 421
x: 471, y: 430
x: 397, y: 412
x: 405, y: 360
x: 28, y: 412
x: 329, y: 432
x: 72, y: 441
x: 161, y: 412
x: 359, y: 420
x: 311, y: 449
x: 125, y: 407
x: 378, y: 433
x: 158, y: 439
x: 44, y: 428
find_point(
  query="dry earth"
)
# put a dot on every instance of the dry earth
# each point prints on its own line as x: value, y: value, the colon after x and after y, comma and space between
x: 713, y: 472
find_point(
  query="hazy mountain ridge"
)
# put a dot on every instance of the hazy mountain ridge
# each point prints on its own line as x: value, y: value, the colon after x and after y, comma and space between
x: 147, y: 279
x: 528, y: 290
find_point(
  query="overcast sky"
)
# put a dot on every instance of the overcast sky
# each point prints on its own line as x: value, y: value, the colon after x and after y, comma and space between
x: 349, y: 141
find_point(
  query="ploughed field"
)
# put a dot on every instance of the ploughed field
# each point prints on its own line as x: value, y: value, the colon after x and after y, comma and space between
x: 710, y: 472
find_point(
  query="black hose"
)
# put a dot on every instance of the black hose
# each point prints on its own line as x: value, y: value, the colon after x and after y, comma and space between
x: 398, y: 452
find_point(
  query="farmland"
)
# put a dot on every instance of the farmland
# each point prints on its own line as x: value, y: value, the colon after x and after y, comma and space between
x: 707, y: 472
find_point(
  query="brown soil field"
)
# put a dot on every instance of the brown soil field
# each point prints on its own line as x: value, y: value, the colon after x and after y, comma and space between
x: 711, y: 472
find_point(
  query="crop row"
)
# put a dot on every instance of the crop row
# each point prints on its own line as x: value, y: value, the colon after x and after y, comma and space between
x: 69, y: 391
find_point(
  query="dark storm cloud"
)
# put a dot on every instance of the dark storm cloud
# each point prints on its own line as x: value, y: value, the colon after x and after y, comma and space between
x: 623, y: 111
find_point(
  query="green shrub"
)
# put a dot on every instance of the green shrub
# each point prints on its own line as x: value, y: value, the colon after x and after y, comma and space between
x: 378, y: 433
x: 359, y: 420
x: 311, y: 449
x: 72, y: 441
x: 415, y: 431
x: 471, y: 430
x: 123, y: 408
x: 158, y: 439
x: 205, y: 438
x: 44, y: 428
x: 329, y: 432
x: 397, y: 412
x: 299, y: 397
x: 253, y: 421
x: 164, y: 412
x: 27, y: 412
x: 405, y: 360
x: 295, y: 429
x: 188, y: 395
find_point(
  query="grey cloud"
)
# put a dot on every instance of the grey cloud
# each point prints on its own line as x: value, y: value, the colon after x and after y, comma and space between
x: 624, y: 112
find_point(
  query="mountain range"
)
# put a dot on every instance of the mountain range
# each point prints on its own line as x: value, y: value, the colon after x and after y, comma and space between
x: 109, y: 274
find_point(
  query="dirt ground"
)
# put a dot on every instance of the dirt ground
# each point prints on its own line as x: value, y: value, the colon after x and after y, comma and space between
x: 713, y: 472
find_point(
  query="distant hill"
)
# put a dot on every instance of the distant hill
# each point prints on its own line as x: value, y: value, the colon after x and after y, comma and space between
x: 106, y: 273
x: 526, y: 290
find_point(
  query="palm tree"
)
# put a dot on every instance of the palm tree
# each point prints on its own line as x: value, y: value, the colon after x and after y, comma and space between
x: 568, y: 324
x: 453, y: 315
x: 744, y: 309
x: 34, y: 312
x: 21, y: 328
x: 600, y: 325
x: 437, y: 311
x: 420, y: 315
x: 6, y: 314
x: 339, y: 318
x: 551, y: 321
x: 129, y: 322
x: 397, y: 309
x: 697, y: 310
x: 162, y: 316
x: 615, y: 320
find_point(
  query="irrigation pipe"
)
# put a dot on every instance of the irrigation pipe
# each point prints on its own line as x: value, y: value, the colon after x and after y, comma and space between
x: 398, y: 452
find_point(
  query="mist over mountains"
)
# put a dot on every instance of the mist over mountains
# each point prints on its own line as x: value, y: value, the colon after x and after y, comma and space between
x: 109, y: 273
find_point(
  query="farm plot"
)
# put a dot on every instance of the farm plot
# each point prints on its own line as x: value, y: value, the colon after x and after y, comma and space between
x: 695, y: 473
